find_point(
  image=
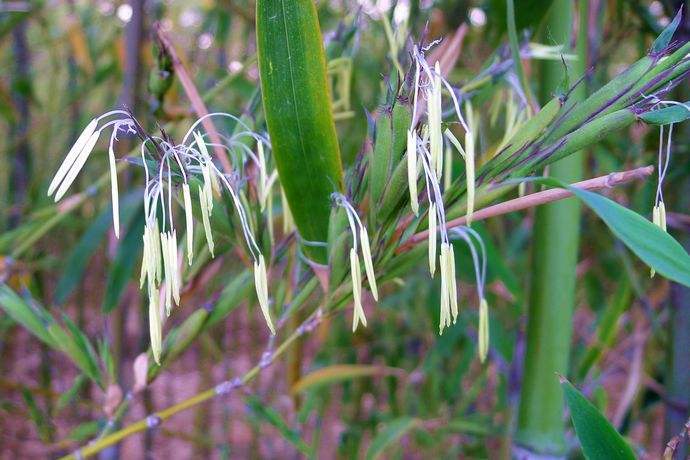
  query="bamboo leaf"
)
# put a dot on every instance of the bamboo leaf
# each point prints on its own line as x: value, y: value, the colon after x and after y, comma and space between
x: 340, y: 373
x: 123, y: 265
x: 389, y: 434
x: 298, y: 113
x: 82, y: 352
x: 664, y: 38
x: 665, y: 116
x: 599, y: 440
x: 273, y: 418
x: 72, y: 393
x: 79, y: 258
x: 182, y: 336
x: 32, y: 317
x: 234, y: 292
x: 40, y: 418
x: 655, y: 247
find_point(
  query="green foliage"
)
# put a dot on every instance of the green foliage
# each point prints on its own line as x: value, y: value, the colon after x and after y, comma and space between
x: 389, y: 434
x: 599, y: 440
x: 653, y: 246
x: 298, y: 115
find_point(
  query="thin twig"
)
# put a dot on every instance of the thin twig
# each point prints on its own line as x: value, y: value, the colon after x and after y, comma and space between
x: 195, y: 98
x: 155, y: 419
x: 538, y: 198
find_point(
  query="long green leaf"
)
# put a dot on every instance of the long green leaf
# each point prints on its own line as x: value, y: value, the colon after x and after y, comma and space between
x: 32, y: 317
x: 79, y: 258
x: 121, y: 269
x: 389, y: 434
x: 655, y: 247
x: 339, y: 373
x: 599, y: 440
x: 297, y: 106
x: 273, y: 418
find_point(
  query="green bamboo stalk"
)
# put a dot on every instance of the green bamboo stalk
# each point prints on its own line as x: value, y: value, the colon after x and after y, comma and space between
x: 540, y: 426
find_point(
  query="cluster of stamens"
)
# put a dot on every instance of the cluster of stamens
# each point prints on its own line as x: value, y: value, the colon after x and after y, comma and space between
x: 175, y: 166
x: 427, y: 149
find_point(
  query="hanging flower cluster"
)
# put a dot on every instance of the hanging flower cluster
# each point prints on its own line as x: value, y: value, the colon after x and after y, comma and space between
x: 360, y: 238
x: 161, y: 267
x: 428, y: 149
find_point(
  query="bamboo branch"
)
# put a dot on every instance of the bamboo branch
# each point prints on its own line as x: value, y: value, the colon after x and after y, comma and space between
x: 538, y: 198
x: 155, y: 419
x: 194, y: 97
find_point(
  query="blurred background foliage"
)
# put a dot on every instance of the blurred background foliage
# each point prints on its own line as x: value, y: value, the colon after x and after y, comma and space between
x: 414, y: 394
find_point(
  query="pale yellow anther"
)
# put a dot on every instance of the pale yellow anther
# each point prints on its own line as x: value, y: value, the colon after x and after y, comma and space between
x: 447, y: 168
x: 76, y: 167
x: 167, y: 284
x: 115, y: 196
x: 444, y: 317
x: 469, y: 174
x: 261, y: 286
x: 155, y: 324
x: 656, y: 220
x: 662, y: 215
x: 483, y: 331
x: 453, y: 287
x: 412, y: 172
x: 263, y: 178
x: 368, y: 262
x: 288, y: 224
x: 189, y: 222
x: 358, y: 314
x: 432, y: 239
x: 203, y: 204
x: 174, y: 267
x: 72, y: 155
x: 434, y: 122
x: 156, y: 253
x: 144, y: 258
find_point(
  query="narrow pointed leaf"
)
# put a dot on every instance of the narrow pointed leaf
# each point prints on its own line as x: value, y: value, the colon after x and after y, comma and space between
x: 340, y: 373
x: 598, y: 438
x: 665, y: 116
x: 299, y: 117
x: 389, y: 434
x: 664, y: 38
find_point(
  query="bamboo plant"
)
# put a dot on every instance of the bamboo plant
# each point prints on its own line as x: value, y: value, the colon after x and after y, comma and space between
x: 409, y: 200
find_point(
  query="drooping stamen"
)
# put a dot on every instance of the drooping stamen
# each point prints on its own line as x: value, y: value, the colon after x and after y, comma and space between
x: 358, y: 315
x: 79, y: 162
x: 189, y: 221
x: 432, y: 239
x: 288, y: 223
x: 479, y: 262
x: 204, y: 205
x: 358, y: 230
x: 72, y: 155
x: 483, y: 331
x: 113, y: 183
x: 261, y: 286
x: 155, y: 325
x: 368, y: 262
